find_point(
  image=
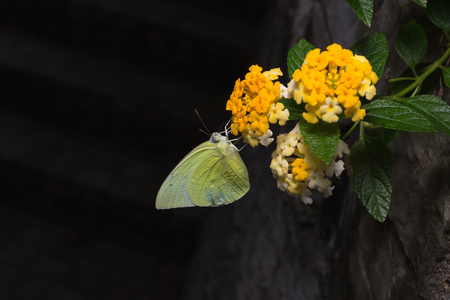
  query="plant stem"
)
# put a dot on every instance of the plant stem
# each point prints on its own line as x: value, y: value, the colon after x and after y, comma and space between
x: 350, y: 131
x: 422, y: 76
x: 416, y: 90
x: 401, y: 79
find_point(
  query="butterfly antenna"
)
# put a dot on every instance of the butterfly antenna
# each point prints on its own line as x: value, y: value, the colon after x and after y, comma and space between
x: 201, y: 120
x: 202, y: 131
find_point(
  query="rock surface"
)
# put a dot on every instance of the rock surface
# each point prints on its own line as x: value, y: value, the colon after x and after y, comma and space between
x: 267, y: 246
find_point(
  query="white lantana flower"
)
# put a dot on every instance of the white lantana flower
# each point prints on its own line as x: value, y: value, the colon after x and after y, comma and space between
x: 330, y: 110
x: 266, y: 139
x: 290, y: 149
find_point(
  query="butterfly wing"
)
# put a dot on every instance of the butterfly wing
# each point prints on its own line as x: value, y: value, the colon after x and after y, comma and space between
x: 174, y: 191
x: 221, y: 178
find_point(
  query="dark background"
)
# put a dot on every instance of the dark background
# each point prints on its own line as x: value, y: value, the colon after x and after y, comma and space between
x: 97, y: 106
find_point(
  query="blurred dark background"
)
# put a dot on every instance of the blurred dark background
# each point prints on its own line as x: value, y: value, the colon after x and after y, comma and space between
x: 97, y: 106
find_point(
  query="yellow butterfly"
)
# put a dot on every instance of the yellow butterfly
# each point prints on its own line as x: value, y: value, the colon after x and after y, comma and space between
x: 212, y: 174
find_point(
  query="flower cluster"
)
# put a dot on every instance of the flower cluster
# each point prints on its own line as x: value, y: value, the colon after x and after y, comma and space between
x: 328, y: 85
x: 332, y: 81
x: 298, y: 170
x: 254, y: 103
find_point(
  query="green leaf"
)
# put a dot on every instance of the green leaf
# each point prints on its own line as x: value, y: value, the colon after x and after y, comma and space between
x: 439, y: 13
x: 322, y: 138
x: 372, y: 177
x: 422, y: 3
x: 297, y: 55
x: 295, y: 110
x: 446, y: 75
x: 411, y: 43
x: 388, y: 135
x: 433, y: 108
x: 393, y: 115
x: 364, y: 9
x: 376, y: 49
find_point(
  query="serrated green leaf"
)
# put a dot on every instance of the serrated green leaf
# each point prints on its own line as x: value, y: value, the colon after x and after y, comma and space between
x: 433, y: 108
x: 411, y: 43
x: 446, y: 75
x: 376, y: 49
x: 295, y: 111
x: 372, y: 177
x: 322, y: 138
x: 422, y: 3
x: 438, y: 12
x: 297, y: 55
x: 364, y: 10
x: 394, y: 115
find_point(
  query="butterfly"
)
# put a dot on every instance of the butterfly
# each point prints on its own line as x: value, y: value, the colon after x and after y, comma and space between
x: 212, y: 174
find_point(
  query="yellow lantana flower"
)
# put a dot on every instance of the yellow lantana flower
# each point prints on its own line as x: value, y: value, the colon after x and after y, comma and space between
x: 254, y: 104
x: 330, y: 81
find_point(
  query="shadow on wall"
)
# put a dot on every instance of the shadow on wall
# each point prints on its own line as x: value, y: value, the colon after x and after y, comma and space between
x: 97, y: 107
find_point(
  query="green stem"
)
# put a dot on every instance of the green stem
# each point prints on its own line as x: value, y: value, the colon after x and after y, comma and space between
x: 422, y: 76
x: 416, y: 90
x: 350, y: 130
x: 401, y: 79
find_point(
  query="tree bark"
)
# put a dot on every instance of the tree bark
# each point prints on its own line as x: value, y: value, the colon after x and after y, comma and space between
x: 270, y: 246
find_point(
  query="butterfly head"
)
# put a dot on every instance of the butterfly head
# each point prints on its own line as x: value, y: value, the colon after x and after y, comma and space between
x: 217, y: 137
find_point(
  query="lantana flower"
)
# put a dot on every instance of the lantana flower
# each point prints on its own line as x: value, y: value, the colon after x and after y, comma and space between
x: 254, y: 104
x: 298, y: 171
x: 330, y: 82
